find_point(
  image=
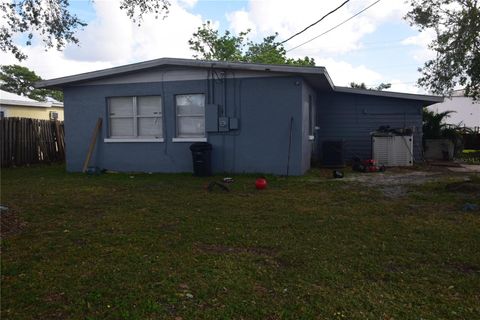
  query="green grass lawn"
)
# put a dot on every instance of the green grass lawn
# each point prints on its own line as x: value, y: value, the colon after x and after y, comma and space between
x: 470, y: 156
x: 120, y: 246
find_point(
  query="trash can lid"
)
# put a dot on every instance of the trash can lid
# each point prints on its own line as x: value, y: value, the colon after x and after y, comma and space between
x: 200, y: 146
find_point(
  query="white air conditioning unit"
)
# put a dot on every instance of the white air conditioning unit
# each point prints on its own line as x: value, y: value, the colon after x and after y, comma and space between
x: 393, y: 150
x: 53, y: 115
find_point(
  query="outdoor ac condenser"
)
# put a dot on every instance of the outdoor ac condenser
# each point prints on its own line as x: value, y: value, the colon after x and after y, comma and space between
x: 393, y: 150
x: 53, y: 115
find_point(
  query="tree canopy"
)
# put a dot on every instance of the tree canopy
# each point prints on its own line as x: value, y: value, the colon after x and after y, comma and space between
x: 457, y: 44
x: 208, y: 44
x: 52, y: 22
x: 21, y: 80
x: 380, y: 87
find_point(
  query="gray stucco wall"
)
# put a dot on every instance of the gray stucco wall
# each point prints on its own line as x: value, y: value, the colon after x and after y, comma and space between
x: 263, y: 106
x: 352, y: 117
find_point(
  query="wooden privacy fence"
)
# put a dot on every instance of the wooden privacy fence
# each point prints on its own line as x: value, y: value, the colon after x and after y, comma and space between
x: 26, y: 141
x: 471, y: 141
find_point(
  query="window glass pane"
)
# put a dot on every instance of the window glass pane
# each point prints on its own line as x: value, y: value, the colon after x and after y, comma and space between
x: 121, y: 127
x: 194, y: 110
x: 121, y: 106
x: 190, y: 127
x: 190, y: 110
x: 150, y: 127
x: 191, y: 100
x: 149, y: 105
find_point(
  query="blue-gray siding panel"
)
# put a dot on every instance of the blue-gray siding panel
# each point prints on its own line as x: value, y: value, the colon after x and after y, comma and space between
x: 262, y: 105
x: 352, y: 117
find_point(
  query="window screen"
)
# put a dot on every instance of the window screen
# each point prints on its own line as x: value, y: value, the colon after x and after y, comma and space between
x: 190, y: 113
x: 135, y: 117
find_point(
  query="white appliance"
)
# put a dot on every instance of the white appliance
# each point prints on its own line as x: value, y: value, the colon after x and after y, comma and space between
x: 393, y: 150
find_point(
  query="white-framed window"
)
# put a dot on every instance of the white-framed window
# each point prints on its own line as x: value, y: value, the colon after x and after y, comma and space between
x: 190, y: 116
x: 135, y: 118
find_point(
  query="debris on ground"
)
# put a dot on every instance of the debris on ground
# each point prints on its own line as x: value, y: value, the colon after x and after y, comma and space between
x: 468, y: 207
x: 211, y: 186
x: 368, y: 165
x: 337, y: 174
x: 228, y: 180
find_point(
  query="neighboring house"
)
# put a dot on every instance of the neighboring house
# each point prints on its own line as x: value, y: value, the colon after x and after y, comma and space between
x: 467, y: 111
x: 154, y: 110
x: 13, y: 105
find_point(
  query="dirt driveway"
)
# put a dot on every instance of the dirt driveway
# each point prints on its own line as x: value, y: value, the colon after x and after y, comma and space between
x: 395, y: 181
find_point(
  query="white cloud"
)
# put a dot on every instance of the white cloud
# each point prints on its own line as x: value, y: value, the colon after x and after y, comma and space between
x: 112, y: 39
x: 287, y: 18
x: 408, y: 87
x: 343, y: 73
x: 107, y: 38
x: 188, y: 3
x: 240, y: 21
x: 270, y: 16
x: 52, y: 63
x: 115, y: 38
x: 421, y: 41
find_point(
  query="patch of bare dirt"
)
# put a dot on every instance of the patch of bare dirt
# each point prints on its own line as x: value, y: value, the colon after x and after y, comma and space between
x: 10, y: 223
x: 221, y: 249
x: 464, y: 187
x: 55, y: 297
x: 464, y: 268
x: 389, y: 178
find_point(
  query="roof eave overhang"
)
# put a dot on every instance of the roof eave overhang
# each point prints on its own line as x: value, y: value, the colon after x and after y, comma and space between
x: 19, y: 103
x: 59, y: 83
x: 427, y: 99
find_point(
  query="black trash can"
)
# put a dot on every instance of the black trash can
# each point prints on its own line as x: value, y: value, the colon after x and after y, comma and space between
x: 202, y: 159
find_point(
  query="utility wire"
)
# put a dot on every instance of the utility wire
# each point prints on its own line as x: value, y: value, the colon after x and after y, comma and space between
x: 296, y: 34
x: 333, y: 28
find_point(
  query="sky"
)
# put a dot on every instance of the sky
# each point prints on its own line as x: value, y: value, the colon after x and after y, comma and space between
x: 374, y: 47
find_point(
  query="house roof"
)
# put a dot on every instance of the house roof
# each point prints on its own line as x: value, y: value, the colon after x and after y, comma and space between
x: 390, y: 94
x: 12, y: 99
x: 64, y: 81
x: 317, y: 76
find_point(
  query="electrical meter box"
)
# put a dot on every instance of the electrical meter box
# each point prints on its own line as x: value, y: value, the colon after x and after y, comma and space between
x: 223, y: 124
x: 234, y: 125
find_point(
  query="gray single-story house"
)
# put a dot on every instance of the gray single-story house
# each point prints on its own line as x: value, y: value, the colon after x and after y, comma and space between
x: 259, y: 118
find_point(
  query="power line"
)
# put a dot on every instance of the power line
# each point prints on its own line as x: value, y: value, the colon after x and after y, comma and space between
x: 338, y: 25
x: 362, y: 48
x: 296, y: 34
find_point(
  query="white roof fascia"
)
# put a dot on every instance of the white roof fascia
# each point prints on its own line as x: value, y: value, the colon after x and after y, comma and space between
x: 182, y: 63
x: 390, y: 94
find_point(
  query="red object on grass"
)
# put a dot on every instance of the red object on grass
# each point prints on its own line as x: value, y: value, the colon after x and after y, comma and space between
x: 261, y: 183
x: 370, y: 162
